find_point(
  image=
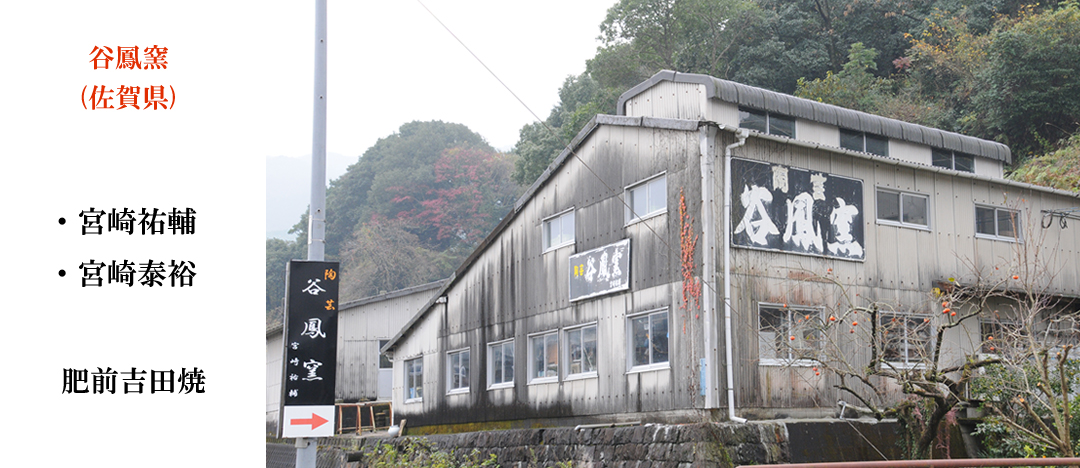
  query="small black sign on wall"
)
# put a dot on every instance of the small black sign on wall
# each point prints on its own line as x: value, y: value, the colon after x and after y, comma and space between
x: 600, y: 271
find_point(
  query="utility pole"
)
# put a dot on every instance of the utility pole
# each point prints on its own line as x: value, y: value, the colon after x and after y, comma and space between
x: 317, y: 215
x: 306, y: 447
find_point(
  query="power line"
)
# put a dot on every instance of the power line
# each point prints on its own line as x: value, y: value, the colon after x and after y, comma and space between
x: 567, y: 145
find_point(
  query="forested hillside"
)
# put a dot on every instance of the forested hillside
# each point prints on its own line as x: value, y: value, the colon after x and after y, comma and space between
x: 996, y: 69
x: 418, y: 201
x: 408, y: 212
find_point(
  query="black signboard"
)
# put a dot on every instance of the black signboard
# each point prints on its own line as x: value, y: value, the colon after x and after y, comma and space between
x: 777, y: 207
x: 600, y: 271
x: 311, y: 302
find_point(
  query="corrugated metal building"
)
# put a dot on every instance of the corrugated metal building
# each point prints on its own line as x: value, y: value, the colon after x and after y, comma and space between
x: 600, y: 297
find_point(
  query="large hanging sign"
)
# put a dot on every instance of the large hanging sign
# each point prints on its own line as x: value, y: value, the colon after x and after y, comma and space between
x: 311, y: 301
x: 777, y: 207
x: 600, y: 271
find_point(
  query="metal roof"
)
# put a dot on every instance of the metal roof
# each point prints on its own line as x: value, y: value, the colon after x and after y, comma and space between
x: 771, y: 101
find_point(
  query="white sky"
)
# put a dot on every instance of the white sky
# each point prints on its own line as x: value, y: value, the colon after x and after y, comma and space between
x: 242, y: 72
x: 391, y: 63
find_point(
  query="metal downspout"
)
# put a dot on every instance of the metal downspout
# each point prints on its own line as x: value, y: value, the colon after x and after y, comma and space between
x: 741, y: 134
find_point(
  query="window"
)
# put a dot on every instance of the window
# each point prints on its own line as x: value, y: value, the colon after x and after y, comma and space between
x: 787, y: 334
x: 384, y: 360
x: 996, y: 223
x: 581, y: 351
x: 998, y: 335
x: 646, y: 199
x: 903, y: 209
x: 544, y: 357
x: 457, y: 364
x: 865, y: 142
x: 414, y: 379
x: 501, y: 364
x: 649, y: 340
x: 906, y: 338
x: 767, y: 122
x: 953, y: 160
x: 559, y: 230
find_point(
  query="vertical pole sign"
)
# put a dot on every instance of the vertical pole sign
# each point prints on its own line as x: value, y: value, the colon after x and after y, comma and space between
x: 311, y: 301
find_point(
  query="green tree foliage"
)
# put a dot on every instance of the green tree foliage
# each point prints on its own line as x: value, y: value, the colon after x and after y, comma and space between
x: 935, y: 80
x: 764, y: 43
x: 580, y: 98
x: 384, y: 256
x: 1030, y: 93
x: 1058, y: 169
x: 1031, y: 408
x: 855, y: 87
x: 278, y: 254
x: 697, y: 36
x: 1014, y: 79
x: 641, y: 37
x: 391, y: 177
x: 537, y: 146
x: 415, y: 204
x: 809, y: 38
x: 945, y: 58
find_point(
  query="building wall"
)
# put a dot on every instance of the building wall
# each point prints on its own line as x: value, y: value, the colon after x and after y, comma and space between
x: 515, y: 289
x: 423, y: 345
x: 361, y: 326
x: 673, y: 100
x: 910, y: 152
x: 669, y: 100
x: 900, y: 268
x: 274, y: 353
x: 808, y: 130
x: 726, y: 113
x: 989, y: 168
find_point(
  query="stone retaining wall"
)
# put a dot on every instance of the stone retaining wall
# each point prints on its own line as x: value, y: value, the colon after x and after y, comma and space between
x: 648, y: 446
x: 654, y: 445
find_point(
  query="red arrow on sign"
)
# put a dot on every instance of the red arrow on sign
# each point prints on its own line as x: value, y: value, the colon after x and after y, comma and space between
x: 315, y: 421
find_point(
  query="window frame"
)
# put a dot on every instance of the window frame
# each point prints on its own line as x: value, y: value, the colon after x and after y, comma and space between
x: 919, y: 319
x: 450, y: 371
x: 816, y: 311
x: 863, y: 137
x: 989, y: 327
x: 533, y: 379
x: 504, y: 344
x: 1015, y: 216
x: 900, y: 194
x: 936, y: 154
x: 768, y: 118
x: 545, y: 229
x: 651, y: 365
x: 628, y: 196
x: 568, y: 351
x: 411, y: 381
